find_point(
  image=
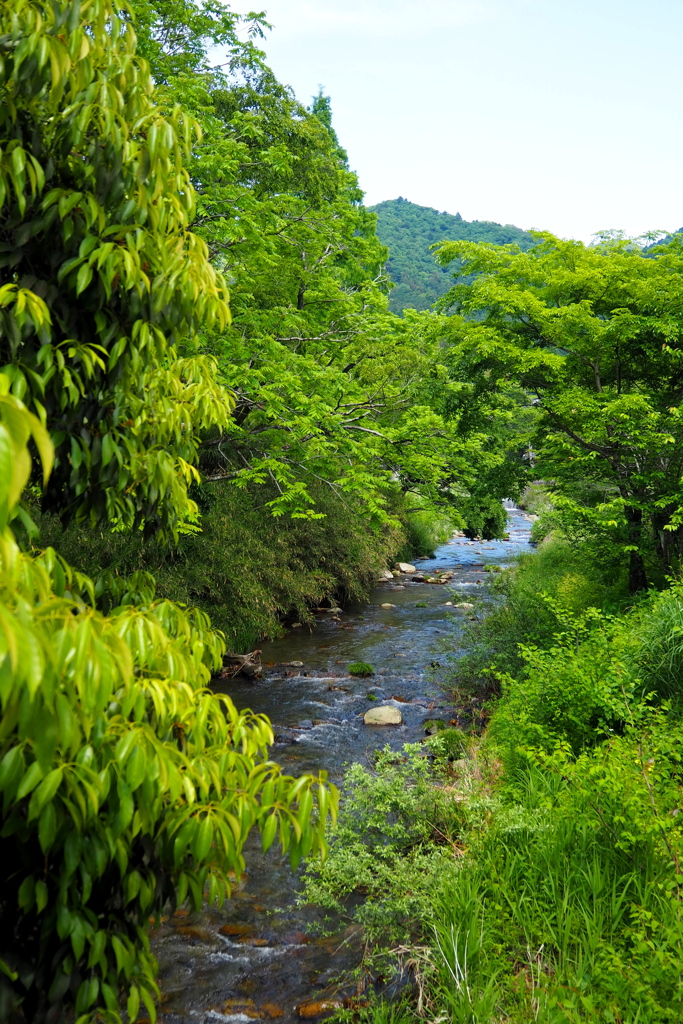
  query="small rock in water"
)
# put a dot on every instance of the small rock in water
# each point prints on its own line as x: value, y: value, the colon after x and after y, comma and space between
x: 384, y: 715
x: 235, y: 929
x: 449, y: 604
x: 271, y: 1010
x: 405, y: 567
x: 387, y: 605
x: 386, y: 574
x: 297, y: 625
x: 239, y: 1007
x: 464, y: 604
x: 318, y: 1008
x: 306, y: 724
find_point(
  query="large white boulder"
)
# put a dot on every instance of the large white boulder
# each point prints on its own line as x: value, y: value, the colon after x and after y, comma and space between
x: 383, y: 715
x: 405, y: 567
x: 386, y: 574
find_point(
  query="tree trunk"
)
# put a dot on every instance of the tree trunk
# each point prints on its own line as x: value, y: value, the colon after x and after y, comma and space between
x: 637, y: 580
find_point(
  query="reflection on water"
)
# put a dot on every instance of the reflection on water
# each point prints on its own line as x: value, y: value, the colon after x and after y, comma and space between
x: 253, y: 959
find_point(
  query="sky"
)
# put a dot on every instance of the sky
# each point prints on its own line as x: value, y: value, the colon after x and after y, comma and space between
x: 561, y: 115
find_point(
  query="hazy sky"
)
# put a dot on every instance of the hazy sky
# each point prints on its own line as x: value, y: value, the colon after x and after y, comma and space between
x: 556, y: 114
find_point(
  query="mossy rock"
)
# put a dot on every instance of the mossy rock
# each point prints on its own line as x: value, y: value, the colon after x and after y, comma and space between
x: 493, y: 568
x: 361, y: 668
x: 421, y: 604
x: 371, y: 696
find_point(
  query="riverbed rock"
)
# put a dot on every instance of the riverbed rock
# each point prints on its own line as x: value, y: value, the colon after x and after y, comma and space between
x: 316, y: 1008
x: 465, y: 605
x: 384, y: 715
x: 387, y: 605
x: 386, y: 574
x: 405, y: 567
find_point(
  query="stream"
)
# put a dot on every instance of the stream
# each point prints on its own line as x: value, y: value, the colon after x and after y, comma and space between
x: 258, y: 958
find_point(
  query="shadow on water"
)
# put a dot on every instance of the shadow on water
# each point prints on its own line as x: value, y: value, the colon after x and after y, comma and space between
x: 257, y: 957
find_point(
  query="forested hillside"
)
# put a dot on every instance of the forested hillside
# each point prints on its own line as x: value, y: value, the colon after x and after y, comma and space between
x: 409, y: 231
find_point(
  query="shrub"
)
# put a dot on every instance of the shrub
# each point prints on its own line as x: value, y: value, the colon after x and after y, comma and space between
x: 576, y: 692
x: 382, y: 844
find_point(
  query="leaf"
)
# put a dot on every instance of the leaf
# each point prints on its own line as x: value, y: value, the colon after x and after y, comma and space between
x: 45, y: 792
x: 269, y: 831
x: 30, y: 780
x: 47, y: 827
x: 133, y: 1004
x: 41, y: 895
x: 203, y: 837
x: 135, y: 768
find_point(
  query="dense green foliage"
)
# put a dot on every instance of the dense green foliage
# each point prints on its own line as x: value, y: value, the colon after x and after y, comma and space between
x: 594, y: 334
x: 126, y: 784
x: 409, y: 231
x: 242, y: 465
x: 103, y: 282
x: 246, y: 569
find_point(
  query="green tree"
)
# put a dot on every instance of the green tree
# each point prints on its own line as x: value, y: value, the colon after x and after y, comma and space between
x: 103, y: 286
x: 126, y: 784
x: 594, y: 336
x: 330, y: 385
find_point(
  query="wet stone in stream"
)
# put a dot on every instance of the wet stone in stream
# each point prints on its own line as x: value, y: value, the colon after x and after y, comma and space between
x: 258, y: 957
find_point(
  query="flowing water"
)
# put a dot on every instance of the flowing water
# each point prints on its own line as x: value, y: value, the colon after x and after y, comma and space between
x: 258, y: 957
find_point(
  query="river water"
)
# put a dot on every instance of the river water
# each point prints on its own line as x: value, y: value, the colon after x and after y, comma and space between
x: 258, y: 957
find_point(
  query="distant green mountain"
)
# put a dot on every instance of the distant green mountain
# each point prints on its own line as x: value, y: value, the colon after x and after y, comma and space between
x: 408, y: 230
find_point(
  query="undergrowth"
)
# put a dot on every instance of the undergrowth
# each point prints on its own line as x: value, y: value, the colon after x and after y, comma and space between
x: 534, y: 874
